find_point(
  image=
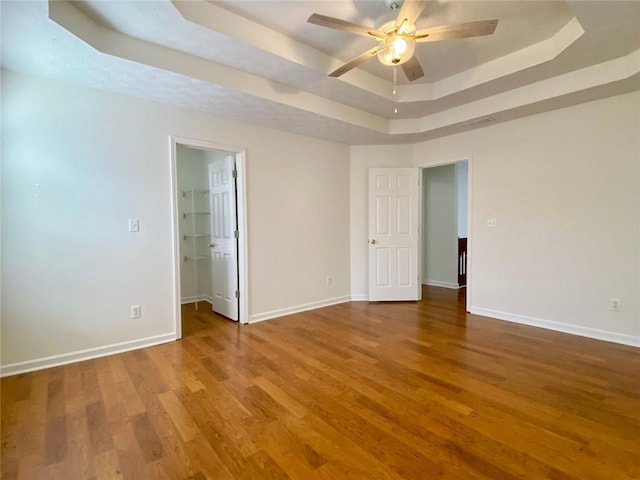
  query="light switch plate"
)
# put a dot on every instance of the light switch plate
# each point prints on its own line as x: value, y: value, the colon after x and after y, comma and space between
x: 136, y: 311
x: 492, y: 222
x: 134, y: 225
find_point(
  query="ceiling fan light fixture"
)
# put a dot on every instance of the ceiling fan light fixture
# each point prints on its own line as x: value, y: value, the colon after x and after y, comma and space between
x: 397, y: 39
x: 396, y: 49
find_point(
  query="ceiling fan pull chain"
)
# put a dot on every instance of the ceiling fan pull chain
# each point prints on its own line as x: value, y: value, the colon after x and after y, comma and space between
x: 395, y: 87
x: 395, y: 79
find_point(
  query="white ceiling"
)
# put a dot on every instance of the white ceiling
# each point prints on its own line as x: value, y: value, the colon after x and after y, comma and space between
x: 260, y: 62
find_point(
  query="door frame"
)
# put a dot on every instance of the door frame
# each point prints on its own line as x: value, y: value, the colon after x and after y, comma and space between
x: 241, y: 212
x: 451, y: 161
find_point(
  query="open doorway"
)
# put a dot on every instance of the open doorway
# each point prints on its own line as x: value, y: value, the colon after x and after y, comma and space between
x: 209, y: 224
x: 445, y: 204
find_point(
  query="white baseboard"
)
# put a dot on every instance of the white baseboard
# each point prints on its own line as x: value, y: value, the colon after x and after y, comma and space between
x: 595, y: 333
x: 80, y: 355
x: 259, y: 317
x: 196, y: 298
x: 438, y: 283
x: 359, y: 297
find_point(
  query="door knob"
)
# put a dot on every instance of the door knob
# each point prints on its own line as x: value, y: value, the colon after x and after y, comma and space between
x: 373, y: 241
x: 211, y: 245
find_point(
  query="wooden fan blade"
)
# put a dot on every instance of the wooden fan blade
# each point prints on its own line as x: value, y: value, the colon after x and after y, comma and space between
x: 344, y: 26
x: 412, y: 69
x: 461, y: 30
x: 354, y: 62
x: 410, y: 11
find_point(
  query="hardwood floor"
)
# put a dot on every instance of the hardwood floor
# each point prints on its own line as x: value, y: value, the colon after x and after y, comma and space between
x: 352, y: 391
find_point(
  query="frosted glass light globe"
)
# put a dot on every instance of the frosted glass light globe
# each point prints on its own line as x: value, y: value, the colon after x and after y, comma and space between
x: 396, y: 50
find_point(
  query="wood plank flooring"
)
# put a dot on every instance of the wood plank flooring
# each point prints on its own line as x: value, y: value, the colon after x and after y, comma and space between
x: 353, y: 391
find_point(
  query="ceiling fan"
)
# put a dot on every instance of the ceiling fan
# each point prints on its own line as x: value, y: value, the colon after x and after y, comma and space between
x: 397, y: 41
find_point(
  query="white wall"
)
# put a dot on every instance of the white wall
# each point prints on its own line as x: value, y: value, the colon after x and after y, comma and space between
x: 439, y: 226
x: 363, y: 158
x: 564, y: 187
x: 78, y: 162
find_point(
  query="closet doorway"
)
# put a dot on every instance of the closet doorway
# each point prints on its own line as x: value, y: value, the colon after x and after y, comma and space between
x: 209, y: 226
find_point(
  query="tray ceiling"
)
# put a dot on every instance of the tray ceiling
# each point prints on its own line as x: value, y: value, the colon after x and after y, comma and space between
x: 260, y: 62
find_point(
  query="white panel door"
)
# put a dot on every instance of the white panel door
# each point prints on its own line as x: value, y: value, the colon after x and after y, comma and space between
x: 223, y: 245
x: 394, y: 196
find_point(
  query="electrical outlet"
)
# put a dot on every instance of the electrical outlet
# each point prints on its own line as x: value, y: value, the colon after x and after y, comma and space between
x: 329, y: 281
x: 615, y: 304
x: 492, y: 222
x: 136, y: 311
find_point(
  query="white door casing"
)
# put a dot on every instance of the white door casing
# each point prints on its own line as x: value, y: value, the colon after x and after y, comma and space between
x: 394, y: 209
x: 223, y: 245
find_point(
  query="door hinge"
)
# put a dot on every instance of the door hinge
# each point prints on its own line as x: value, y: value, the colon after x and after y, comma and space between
x: 235, y: 173
x: 237, y: 293
x: 236, y: 234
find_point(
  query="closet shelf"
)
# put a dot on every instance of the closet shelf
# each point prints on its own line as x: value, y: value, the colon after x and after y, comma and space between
x: 198, y: 257
x: 196, y: 219
x: 193, y: 192
x: 186, y: 214
x: 197, y: 235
